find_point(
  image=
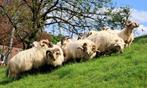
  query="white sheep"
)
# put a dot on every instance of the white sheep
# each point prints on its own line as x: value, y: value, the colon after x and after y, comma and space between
x: 28, y: 59
x: 55, y: 56
x: 64, y: 41
x: 105, y: 41
x: 79, y: 49
x: 126, y: 34
x: 87, y: 34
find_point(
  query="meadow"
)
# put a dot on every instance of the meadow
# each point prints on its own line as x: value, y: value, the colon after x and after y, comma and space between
x: 126, y: 70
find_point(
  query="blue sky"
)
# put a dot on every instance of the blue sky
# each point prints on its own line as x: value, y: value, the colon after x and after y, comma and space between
x: 139, y: 8
x: 137, y: 4
x: 138, y: 12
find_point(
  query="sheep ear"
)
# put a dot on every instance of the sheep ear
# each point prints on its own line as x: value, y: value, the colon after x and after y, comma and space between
x: 136, y: 25
x: 43, y: 42
x: 128, y: 23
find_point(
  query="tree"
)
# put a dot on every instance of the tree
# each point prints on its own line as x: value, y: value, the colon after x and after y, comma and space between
x: 29, y: 17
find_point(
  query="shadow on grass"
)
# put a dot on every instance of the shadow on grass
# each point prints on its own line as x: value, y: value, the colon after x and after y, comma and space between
x: 6, y: 81
x: 41, y: 70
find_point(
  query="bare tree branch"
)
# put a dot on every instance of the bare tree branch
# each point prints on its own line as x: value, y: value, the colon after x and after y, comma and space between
x: 49, y: 9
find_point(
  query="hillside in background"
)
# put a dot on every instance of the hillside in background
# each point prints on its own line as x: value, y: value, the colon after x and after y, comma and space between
x: 127, y: 70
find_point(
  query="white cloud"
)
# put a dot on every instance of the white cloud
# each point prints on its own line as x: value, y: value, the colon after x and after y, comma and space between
x: 141, y: 30
x: 140, y: 16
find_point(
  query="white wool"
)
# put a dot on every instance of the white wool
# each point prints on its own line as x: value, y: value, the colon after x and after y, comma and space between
x: 27, y: 59
x: 75, y: 50
x: 58, y: 56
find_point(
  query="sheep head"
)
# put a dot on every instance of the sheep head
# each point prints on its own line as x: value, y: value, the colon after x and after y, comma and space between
x: 89, y: 49
x: 46, y: 42
x: 54, y: 56
x: 131, y: 25
x: 65, y: 40
x: 83, y: 48
x: 118, y: 46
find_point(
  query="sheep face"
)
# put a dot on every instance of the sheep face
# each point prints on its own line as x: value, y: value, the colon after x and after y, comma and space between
x: 55, y: 56
x: 118, y: 46
x: 88, y: 49
x: 131, y: 25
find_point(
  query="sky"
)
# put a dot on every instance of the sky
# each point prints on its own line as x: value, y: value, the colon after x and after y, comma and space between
x: 138, y: 13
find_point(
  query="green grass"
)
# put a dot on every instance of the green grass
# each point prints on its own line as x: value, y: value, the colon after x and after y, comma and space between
x: 127, y: 70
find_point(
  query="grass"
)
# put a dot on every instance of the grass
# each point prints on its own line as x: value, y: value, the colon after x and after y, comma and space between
x: 127, y: 70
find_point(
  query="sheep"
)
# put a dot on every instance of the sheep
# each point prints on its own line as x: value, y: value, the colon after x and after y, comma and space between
x: 87, y: 34
x: 116, y: 47
x: 79, y: 49
x: 105, y: 41
x: 55, y: 56
x: 27, y: 59
x: 64, y: 41
x: 126, y: 34
x: 92, y: 32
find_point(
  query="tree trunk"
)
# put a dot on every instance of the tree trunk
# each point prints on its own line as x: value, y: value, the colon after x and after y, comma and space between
x: 7, y: 54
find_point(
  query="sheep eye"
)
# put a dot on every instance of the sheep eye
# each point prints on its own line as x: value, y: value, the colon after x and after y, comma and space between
x: 57, y: 53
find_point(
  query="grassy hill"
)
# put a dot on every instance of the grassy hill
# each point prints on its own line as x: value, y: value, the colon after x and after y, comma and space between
x: 127, y: 70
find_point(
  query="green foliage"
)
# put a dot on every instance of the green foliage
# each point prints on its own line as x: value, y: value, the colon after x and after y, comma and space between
x: 127, y: 70
x: 117, y: 16
x: 55, y: 39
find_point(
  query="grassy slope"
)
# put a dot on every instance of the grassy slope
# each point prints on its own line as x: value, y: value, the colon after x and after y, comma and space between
x: 127, y: 70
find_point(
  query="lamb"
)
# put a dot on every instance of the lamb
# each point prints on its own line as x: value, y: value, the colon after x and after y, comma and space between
x: 106, y: 42
x: 126, y: 34
x: 28, y: 59
x: 55, y: 56
x: 79, y: 49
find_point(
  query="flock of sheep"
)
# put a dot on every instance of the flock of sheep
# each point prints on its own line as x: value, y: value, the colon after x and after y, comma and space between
x: 88, y: 46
